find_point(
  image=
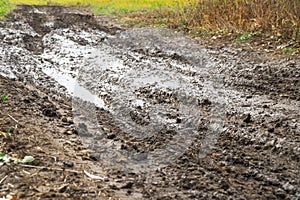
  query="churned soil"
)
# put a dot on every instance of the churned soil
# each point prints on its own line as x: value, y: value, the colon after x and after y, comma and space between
x: 255, y: 156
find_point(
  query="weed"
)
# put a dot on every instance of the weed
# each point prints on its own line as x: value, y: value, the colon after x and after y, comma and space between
x: 4, y: 8
x: 6, y: 159
x: 247, y: 36
x: 290, y: 50
x: 221, y: 31
x: 3, y: 98
x: 8, y: 132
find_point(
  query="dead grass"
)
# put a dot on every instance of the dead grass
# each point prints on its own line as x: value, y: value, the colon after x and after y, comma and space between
x: 272, y: 24
x: 280, y: 18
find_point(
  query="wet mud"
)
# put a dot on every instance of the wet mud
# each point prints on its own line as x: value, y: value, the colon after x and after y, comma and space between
x: 154, y: 113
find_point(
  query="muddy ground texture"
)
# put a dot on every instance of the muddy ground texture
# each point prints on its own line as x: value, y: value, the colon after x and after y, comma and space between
x: 51, y: 55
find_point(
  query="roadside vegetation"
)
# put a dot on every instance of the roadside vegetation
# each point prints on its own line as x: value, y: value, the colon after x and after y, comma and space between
x: 278, y: 20
x: 110, y: 6
x: 273, y: 24
x: 5, y: 7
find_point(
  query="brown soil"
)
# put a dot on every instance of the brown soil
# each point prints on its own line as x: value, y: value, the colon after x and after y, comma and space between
x: 43, y: 130
x: 256, y: 157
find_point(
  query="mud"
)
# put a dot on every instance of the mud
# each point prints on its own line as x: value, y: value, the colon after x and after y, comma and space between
x: 154, y: 113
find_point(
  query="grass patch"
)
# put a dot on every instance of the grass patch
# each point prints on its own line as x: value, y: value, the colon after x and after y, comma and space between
x: 290, y: 50
x: 247, y: 36
x: 4, y: 8
x: 124, y: 6
x: 45, y: 2
x: 110, y: 6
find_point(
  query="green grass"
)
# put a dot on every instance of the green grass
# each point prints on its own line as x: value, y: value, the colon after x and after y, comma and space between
x: 290, y: 50
x: 111, y: 6
x: 3, y: 98
x: 4, y: 8
x: 121, y: 6
x: 247, y: 36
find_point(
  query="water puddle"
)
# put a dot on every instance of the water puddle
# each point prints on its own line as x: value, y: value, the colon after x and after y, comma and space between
x: 73, y: 87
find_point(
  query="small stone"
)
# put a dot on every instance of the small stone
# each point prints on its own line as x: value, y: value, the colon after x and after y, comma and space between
x: 69, y: 164
x: 68, y: 132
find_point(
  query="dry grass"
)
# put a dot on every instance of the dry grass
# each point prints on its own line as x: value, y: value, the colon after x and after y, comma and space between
x: 280, y: 18
x: 271, y: 24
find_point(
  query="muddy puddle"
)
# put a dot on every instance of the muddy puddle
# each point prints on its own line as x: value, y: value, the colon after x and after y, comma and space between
x: 158, y: 105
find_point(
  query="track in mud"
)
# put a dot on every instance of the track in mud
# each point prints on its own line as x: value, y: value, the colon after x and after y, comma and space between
x: 199, y: 123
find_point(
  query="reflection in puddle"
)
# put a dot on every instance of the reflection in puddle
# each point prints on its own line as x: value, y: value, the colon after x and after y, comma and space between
x: 73, y: 87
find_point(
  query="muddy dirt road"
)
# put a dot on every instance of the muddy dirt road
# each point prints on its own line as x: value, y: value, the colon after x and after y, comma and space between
x: 111, y: 112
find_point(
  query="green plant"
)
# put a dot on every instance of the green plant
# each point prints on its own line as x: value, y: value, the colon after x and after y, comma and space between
x: 221, y: 31
x: 3, y: 98
x: 247, y: 36
x: 6, y: 159
x: 8, y: 132
x: 4, y: 7
x: 289, y: 50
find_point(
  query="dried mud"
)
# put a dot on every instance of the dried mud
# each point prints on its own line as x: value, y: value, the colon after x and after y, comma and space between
x: 81, y: 88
